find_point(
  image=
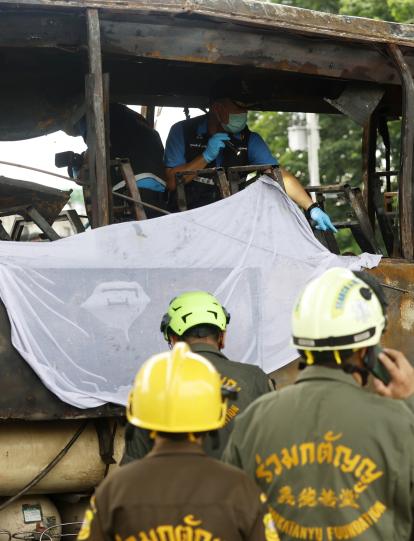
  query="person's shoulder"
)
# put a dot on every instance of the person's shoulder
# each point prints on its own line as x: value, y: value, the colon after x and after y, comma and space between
x: 247, y: 368
x: 397, y: 411
x: 182, y: 124
x: 255, y: 137
x: 230, y: 473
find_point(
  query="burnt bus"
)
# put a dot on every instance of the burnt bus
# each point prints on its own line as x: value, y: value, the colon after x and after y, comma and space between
x: 57, y: 55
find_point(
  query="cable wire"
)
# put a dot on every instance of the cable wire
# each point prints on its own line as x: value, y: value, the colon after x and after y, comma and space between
x: 48, y: 468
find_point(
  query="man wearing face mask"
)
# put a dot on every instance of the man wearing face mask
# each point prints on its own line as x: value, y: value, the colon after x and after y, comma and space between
x: 200, y: 142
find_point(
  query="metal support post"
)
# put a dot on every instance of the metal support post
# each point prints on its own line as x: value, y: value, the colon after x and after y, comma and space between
x: 406, y: 177
x: 42, y: 224
x: 369, y: 147
x: 129, y: 177
x: 98, y: 163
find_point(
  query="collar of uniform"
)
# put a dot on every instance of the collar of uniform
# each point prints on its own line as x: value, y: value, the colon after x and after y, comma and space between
x: 202, y: 126
x: 176, y: 448
x: 323, y: 372
x: 201, y: 348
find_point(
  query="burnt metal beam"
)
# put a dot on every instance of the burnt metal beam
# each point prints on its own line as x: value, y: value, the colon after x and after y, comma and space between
x: 74, y: 220
x: 406, y: 177
x: 148, y: 111
x: 129, y: 178
x: 42, y: 224
x: 99, y: 163
x: 252, y: 14
x: 369, y: 147
x: 276, y: 50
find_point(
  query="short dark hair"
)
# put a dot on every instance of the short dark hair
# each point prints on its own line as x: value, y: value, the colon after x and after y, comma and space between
x: 179, y: 436
x: 199, y: 331
x: 327, y: 358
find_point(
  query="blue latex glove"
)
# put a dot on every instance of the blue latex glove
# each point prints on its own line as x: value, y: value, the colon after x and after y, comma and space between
x: 214, y: 145
x: 322, y: 219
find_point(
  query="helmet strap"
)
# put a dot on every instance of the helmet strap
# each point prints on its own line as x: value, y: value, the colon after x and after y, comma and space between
x: 337, y: 357
x: 349, y: 368
x: 192, y: 438
x: 153, y: 434
x: 310, y: 359
x: 215, y: 439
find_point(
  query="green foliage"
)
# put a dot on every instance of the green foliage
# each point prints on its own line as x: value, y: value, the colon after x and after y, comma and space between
x: 330, y: 6
x: 402, y: 10
x: 388, y: 10
x: 374, y: 9
x: 341, y: 139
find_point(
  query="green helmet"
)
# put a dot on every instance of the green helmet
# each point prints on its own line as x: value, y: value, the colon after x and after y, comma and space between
x: 191, y: 309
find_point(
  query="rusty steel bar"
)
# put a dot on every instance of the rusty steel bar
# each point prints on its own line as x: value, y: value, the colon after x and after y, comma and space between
x: 406, y: 177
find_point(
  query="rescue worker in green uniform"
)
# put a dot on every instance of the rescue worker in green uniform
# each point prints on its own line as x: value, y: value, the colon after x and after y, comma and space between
x: 177, y: 492
x: 198, y: 319
x: 336, y: 461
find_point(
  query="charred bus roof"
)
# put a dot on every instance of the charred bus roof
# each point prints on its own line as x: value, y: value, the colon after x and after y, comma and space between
x: 170, y: 52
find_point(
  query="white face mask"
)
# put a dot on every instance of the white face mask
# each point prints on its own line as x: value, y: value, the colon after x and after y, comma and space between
x: 237, y: 122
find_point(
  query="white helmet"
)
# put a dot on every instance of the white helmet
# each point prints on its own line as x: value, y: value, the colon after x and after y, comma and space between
x: 337, y: 311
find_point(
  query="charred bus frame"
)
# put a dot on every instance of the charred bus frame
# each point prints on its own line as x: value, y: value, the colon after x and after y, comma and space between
x: 57, y: 53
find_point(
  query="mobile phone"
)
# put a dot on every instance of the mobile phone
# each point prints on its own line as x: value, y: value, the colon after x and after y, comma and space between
x: 375, y: 366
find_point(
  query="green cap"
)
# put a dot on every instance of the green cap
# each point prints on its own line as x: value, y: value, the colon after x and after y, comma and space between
x: 191, y: 309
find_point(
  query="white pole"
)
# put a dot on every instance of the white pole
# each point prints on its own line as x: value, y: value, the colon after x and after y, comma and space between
x: 312, y: 126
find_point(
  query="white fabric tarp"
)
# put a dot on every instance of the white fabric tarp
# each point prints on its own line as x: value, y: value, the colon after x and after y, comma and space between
x: 85, y: 310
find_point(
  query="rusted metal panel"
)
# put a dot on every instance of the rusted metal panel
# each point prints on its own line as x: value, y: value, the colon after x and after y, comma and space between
x: 251, y: 14
x: 23, y: 395
x: 398, y: 275
x: 199, y: 41
x: 17, y: 196
x: 275, y: 51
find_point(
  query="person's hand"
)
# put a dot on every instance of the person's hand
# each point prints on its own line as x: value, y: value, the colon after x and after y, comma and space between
x: 214, y: 145
x: 401, y: 373
x: 322, y: 219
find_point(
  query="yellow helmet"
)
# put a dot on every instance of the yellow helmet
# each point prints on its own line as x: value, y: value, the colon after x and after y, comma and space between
x: 337, y: 311
x: 177, y: 391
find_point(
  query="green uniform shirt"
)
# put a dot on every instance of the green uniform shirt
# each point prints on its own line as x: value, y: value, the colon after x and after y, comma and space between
x: 335, y: 461
x: 250, y: 381
x: 178, y: 493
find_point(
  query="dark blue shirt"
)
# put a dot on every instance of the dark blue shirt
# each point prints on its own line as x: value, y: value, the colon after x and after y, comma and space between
x: 258, y: 152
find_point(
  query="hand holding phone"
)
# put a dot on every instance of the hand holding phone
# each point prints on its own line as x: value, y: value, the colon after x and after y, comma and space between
x: 401, y: 373
x: 374, y: 365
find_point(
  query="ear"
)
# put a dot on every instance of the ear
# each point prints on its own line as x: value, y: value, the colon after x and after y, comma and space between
x: 222, y: 340
x: 173, y: 339
x: 360, y: 354
x: 220, y: 111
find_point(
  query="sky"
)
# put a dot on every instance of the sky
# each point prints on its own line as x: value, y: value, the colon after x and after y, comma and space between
x: 40, y: 151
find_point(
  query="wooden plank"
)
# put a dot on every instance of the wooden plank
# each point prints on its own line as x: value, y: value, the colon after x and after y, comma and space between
x: 98, y: 111
x: 406, y: 177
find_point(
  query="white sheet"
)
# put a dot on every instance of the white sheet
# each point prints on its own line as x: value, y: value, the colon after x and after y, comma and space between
x: 85, y: 310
